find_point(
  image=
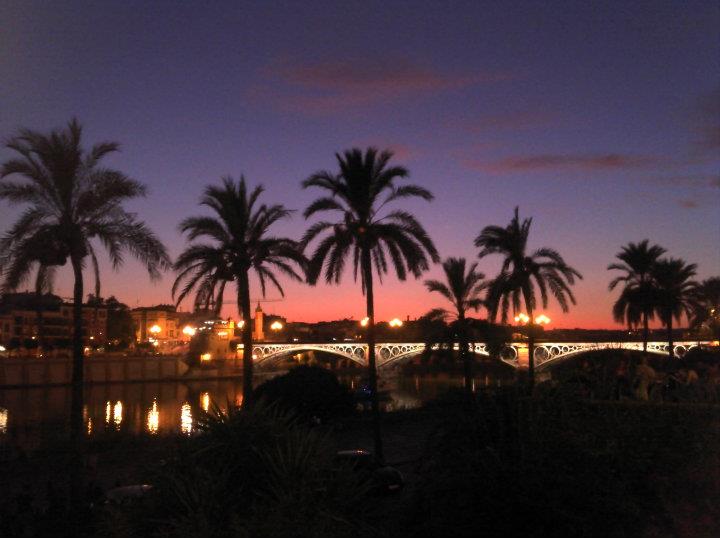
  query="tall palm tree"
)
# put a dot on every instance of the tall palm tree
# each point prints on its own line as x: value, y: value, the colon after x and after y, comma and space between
x: 675, y: 293
x: 462, y: 287
x: 363, y: 187
x: 634, y: 306
x: 237, y: 242
x: 706, y: 311
x: 72, y: 201
x: 521, y: 273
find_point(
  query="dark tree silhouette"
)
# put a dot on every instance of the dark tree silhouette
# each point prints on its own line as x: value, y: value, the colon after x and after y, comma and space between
x: 521, y: 273
x: 238, y: 242
x: 376, y: 240
x: 675, y: 293
x: 706, y: 308
x: 71, y: 201
x: 462, y: 287
x: 635, y: 304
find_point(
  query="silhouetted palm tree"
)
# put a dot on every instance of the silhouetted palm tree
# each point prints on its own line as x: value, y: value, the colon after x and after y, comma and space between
x: 634, y: 306
x: 71, y: 201
x: 238, y: 242
x: 706, y: 311
x: 364, y: 185
x: 675, y: 293
x: 521, y: 273
x: 462, y: 288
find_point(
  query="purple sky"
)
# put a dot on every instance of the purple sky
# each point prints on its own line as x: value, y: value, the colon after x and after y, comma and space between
x: 601, y: 120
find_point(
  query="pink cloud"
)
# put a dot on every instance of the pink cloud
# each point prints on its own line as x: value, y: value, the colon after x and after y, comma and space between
x: 553, y: 162
x: 328, y: 86
x: 401, y: 152
x: 688, y: 203
x: 510, y: 121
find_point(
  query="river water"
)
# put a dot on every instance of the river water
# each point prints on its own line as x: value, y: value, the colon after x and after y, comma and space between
x: 30, y: 416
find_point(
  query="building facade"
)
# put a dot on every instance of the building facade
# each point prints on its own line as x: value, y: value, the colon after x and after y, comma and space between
x: 29, y: 321
x: 162, y: 324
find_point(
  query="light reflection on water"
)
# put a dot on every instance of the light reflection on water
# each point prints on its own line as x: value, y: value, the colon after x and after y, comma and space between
x: 29, y: 415
x: 153, y: 418
x: 186, y: 419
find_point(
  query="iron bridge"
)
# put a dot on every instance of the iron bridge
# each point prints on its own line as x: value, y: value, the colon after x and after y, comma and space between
x: 389, y: 353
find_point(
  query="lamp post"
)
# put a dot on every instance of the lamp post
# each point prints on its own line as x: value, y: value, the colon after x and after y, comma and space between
x: 524, y: 319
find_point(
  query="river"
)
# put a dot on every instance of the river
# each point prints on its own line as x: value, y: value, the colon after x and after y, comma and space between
x: 29, y: 416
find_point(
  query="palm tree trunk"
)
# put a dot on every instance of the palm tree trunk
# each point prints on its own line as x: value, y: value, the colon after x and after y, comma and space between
x: 671, y: 350
x: 76, y: 419
x: 372, y: 368
x: 40, y: 322
x: 466, y: 357
x: 244, y: 306
x: 646, y: 332
x: 531, y: 352
x: 76, y: 407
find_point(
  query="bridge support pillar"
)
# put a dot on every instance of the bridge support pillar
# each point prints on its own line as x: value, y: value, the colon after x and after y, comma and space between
x: 523, y: 361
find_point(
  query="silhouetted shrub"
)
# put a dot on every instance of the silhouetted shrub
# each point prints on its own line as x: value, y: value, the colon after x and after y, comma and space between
x: 311, y: 392
x: 251, y: 473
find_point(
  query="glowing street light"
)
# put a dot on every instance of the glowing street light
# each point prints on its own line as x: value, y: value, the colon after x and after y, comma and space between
x: 395, y: 322
x: 205, y: 357
x: 276, y: 326
x: 522, y: 318
x: 189, y: 331
x: 364, y: 322
x: 155, y: 329
x: 542, y: 319
x: 241, y: 323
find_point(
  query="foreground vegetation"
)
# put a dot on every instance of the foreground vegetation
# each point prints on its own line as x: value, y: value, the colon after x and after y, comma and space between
x: 562, y: 462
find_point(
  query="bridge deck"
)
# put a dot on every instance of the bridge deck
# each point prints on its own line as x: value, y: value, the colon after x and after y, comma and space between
x: 515, y: 354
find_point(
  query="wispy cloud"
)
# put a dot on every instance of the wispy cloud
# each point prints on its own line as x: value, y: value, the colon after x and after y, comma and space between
x: 687, y: 180
x: 706, y: 123
x: 401, y: 152
x: 329, y: 86
x: 688, y: 203
x: 557, y: 162
x: 508, y: 121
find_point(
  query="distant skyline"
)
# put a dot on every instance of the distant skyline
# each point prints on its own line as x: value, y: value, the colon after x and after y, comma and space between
x: 600, y: 120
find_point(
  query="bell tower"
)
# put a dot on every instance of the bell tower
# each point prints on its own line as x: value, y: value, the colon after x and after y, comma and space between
x: 259, y: 335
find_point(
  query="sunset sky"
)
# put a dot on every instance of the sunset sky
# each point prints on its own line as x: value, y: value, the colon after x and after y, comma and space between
x: 601, y: 120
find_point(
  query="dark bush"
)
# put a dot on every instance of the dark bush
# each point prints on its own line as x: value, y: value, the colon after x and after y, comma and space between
x: 311, y: 392
x: 251, y: 473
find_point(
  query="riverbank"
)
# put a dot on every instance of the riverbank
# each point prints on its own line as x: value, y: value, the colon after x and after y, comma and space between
x: 554, y: 464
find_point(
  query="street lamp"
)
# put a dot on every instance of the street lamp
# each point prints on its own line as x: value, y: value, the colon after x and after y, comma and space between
x: 276, y: 326
x: 364, y: 322
x: 189, y: 331
x: 522, y: 319
x: 395, y: 322
x: 542, y: 319
x: 155, y: 329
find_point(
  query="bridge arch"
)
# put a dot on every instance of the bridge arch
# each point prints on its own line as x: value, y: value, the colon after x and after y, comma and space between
x: 267, y: 353
x: 547, y: 354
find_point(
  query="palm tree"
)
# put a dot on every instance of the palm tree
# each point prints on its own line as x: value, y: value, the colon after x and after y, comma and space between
x: 675, y: 293
x: 521, y: 273
x: 635, y: 302
x: 706, y: 312
x: 364, y: 185
x: 72, y: 201
x: 238, y: 241
x: 462, y: 288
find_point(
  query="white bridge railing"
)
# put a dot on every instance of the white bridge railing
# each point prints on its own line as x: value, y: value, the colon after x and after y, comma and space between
x: 514, y: 354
